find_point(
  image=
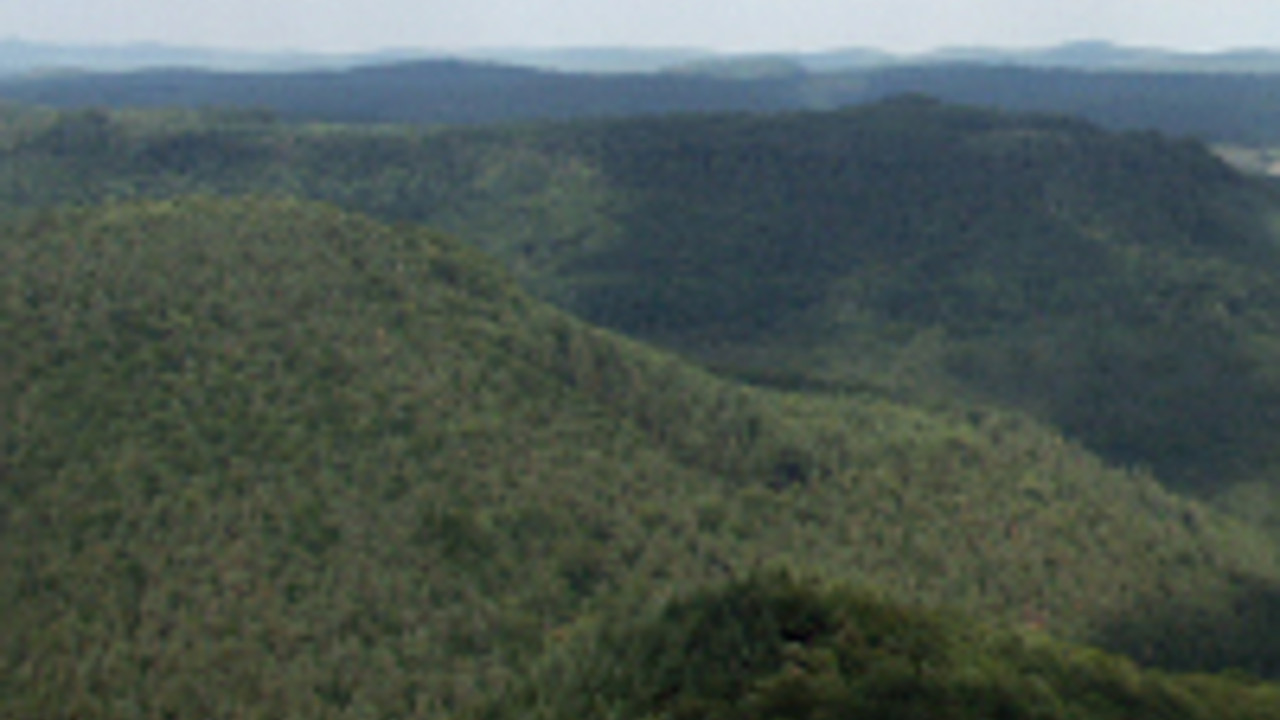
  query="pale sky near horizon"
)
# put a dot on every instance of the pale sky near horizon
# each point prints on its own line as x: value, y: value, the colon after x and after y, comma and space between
x: 730, y: 25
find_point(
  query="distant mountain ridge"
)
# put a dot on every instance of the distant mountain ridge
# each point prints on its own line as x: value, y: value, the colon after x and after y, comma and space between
x: 1104, y: 56
x: 431, y: 91
x: 1241, y: 108
x: 18, y: 56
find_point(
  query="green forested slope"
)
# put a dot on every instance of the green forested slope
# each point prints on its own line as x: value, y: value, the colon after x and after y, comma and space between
x: 1119, y: 287
x: 261, y: 456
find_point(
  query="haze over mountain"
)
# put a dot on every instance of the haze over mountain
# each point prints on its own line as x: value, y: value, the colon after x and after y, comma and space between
x: 732, y: 26
x: 25, y: 57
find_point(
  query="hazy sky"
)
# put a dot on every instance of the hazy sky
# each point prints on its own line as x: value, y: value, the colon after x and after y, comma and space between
x: 903, y: 25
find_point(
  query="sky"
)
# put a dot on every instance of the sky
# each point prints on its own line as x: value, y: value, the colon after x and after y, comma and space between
x: 726, y: 25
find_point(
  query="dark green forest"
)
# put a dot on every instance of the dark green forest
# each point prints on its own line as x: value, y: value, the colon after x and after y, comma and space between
x: 772, y: 645
x: 992, y: 389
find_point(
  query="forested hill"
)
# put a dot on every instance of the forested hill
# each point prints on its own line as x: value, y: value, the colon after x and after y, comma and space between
x: 262, y: 456
x: 1240, y: 108
x: 1118, y: 286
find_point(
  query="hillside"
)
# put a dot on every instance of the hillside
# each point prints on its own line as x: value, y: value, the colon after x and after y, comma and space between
x: 261, y: 454
x: 1120, y: 287
x: 1116, y: 286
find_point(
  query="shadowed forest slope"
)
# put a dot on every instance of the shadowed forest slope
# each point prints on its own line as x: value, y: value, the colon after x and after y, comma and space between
x: 1120, y: 287
x: 264, y: 454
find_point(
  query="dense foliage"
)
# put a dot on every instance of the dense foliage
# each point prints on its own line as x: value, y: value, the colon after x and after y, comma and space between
x: 264, y: 458
x: 1118, y: 287
x: 772, y: 646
